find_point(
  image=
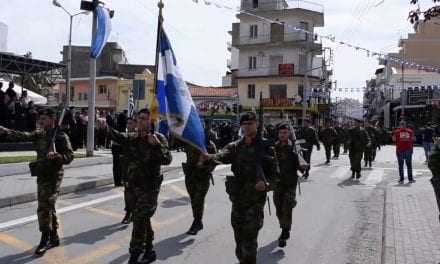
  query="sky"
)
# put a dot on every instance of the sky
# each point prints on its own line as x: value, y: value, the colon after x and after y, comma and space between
x: 198, y: 33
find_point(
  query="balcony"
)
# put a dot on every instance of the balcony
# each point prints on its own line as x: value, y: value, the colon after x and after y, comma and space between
x: 229, y: 63
x: 269, y: 5
x: 274, y: 71
x: 229, y: 45
x: 278, y: 102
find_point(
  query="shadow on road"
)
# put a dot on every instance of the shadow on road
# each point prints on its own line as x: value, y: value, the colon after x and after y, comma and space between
x: 267, y: 255
x: 349, y: 182
x: 120, y: 260
x: 171, y: 203
x: 172, y: 246
x: 90, y: 237
x: 20, y: 258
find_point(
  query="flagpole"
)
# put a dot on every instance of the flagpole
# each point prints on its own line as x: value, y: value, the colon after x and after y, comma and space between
x: 160, y: 5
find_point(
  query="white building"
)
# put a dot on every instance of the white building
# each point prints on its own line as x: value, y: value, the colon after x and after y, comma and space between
x: 3, y: 37
x: 273, y: 58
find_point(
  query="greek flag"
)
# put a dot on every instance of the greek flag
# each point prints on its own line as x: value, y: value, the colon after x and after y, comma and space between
x: 175, y: 101
x: 103, y: 32
x: 130, y: 104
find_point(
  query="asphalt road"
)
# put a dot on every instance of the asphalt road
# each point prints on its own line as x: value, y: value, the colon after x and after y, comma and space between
x: 336, y: 221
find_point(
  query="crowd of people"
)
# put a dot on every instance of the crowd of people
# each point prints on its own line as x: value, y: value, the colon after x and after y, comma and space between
x: 17, y: 112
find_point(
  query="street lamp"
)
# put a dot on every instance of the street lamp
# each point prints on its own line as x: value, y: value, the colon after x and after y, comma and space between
x: 69, y: 50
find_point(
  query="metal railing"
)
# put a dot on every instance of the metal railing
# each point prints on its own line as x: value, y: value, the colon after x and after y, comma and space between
x: 268, y: 38
x: 283, y: 5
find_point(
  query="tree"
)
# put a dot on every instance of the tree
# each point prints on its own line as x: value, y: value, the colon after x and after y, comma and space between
x: 416, y: 15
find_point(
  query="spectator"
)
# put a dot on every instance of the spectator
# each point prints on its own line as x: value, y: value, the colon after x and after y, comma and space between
x: 404, y: 139
x: 427, y: 140
x: 31, y: 117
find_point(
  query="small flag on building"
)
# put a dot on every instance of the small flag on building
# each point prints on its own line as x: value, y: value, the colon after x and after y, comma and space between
x: 176, y: 107
x: 130, y: 104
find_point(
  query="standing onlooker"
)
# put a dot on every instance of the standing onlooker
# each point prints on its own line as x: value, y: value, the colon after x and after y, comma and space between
x: 404, y: 139
x: 428, y: 140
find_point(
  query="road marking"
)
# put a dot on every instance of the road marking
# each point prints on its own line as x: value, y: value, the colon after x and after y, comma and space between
x: 14, y: 242
x: 95, y: 254
x: 374, y: 177
x: 32, y: 218
x: 109, y: 213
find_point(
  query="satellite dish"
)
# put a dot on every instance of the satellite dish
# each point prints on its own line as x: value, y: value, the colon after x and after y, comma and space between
x: 117, y: 58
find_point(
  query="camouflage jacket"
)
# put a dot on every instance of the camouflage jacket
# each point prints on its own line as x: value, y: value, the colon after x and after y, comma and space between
x: 143, y: 159
x: 373, y: 133
x: 42, y: 140
x: 310, y: 136
x: 288, y: 163
x: 359, y: 139
x: 328, y: 135
x: 434, y: 162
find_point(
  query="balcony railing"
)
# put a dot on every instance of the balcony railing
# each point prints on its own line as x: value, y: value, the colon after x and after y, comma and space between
x: 282, y: 5
x: 278, y: 102
x: 299, y: 37
x: 274, y: 71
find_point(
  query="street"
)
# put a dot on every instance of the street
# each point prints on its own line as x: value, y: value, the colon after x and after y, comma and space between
x: 337, y: 220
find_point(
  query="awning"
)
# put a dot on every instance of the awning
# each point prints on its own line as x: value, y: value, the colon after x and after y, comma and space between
x: 408, y: 107
x: 34, y: 97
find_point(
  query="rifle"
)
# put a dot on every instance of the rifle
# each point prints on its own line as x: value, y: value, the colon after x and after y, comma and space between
x: 259, y: 149
x: 56, y: 130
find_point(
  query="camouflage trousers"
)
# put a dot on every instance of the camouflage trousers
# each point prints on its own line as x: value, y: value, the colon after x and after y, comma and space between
x: 336, y: 149
x: 197, y: 185
x: 247, y: 220
x: 129, y: 198
x: 145, y: 206
x: 355, y: 160
x: 368, y: 154
x: 328, y: 151
x: 48, y: 190
x: 284, y: 199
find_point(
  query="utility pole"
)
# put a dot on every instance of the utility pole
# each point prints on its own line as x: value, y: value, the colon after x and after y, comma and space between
x: 403, y: 94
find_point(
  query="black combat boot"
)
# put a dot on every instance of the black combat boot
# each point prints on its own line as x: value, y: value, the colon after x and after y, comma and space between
x: 353, y: 174
x: 44, y: 244
x: 134, y: 256
x: 127, y: 218
x: 370, y: 164
x: 54, y: 238
x: 148, y: 257
x: 196, y: 226
x: 285, y: 235
x: 358, y: 175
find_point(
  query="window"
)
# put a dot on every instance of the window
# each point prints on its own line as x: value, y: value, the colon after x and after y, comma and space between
x: 302, y: 63
x: 102, y: 89
x: 252, y: 63
x: 138, y: 89
x: 301, y: 90
x: 254, y: 3
x: 72, y: 93
x: 278, y: 91
x: 85, y: 96
x: 305, y: 26
x: 251, y: 91
x: 253, y: 31
x: 80, y: 96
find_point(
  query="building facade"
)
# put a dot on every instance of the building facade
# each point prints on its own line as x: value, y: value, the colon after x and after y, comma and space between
x: 274, y: 58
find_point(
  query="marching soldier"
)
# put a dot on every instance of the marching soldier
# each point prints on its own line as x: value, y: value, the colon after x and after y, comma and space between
x: 328, y: 136
x: 284, y: 194
x: 338, y: 141
x: 309, y: 134
x: 359, y: 140
x: 346, y: 129
x: 247, y: 192
x: 129, y: 198
x: 197, y: 182
x: 49, y: 172
x: 147, y: 152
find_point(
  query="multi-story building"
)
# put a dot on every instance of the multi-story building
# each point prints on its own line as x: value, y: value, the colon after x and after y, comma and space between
x: 3, y: 37
x: 403, y: 91
x: 276, y: 58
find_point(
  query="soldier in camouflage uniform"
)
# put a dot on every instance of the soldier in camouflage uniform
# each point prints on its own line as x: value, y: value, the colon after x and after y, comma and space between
x: 49, y: 171
x: 129, y: 198
x: 246, y: 191
x: 284, y: 194
x: 197, y: 182
x: 359, y: 140
x: 370, y: 151
x: 310, y: 136
x: 328, y: 136
x: 434, y: 166
x: 338, y: 141
x: 147, y: 152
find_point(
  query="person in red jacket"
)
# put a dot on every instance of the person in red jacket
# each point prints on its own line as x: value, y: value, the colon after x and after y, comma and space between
x: 404, y: 139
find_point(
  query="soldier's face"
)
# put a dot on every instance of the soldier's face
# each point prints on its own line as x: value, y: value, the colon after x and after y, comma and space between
x: 143, y: 121
x: 249, y: 128
x: 283, y: 135
x: 131, y: 125
x: 45, y: 122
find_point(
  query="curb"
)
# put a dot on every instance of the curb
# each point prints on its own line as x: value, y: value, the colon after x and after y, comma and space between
x: 31, y: 197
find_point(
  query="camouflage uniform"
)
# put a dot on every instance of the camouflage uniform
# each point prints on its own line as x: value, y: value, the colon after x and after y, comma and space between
x: 197, y: 179
x: 328, y: 137
x: 338, y: 141
x: 247, y: 203
x: 284, y: 195
x: 49, y: 172
x: 359, y: 140
x: 370, y: 151
x: 129, y: 198
x: 145, y: 179
x: 311, y: 137
x: 434, y: 166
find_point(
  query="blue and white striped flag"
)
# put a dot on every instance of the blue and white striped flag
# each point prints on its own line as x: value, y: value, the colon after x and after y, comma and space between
x: 103, y: 32
x: 130, y: 104
x: 175, y: 101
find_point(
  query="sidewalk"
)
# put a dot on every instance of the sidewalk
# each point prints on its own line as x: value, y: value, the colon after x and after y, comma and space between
x: 20, y: 187
x: 412, y: 225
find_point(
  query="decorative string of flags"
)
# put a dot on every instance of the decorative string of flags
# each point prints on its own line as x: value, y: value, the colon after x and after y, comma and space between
x: 369, y: 53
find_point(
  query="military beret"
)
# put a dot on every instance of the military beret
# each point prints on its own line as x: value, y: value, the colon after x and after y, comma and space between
x: 47, y: 112
x: 248, y: 116
x: 283, y: 125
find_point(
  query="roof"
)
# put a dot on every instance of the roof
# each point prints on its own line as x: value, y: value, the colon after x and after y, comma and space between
x: 202, y: 91
x: 128, y: 71
x: 15, y: 64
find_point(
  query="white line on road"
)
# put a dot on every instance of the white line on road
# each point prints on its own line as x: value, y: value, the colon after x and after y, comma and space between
x: 32, y: 218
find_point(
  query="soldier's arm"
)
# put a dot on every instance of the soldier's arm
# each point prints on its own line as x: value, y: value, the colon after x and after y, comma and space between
x: 13, y: 135
x: 118, y: 137
x: 64, y: 148
x: 226, y: 155
x: 316, y: 137
x: 162, y: 153
x: 367, y: 138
